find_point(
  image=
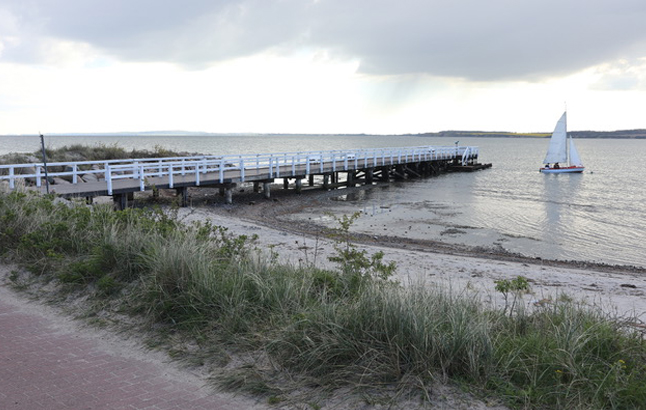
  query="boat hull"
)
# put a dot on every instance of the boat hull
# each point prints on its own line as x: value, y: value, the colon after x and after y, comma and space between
x: 562, y: 170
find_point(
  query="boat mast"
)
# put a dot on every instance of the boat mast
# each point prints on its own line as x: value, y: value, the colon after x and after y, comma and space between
x: 568, y: 140
x: 567, y: 143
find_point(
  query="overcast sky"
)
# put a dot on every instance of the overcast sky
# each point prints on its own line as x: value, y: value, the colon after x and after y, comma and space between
x: 328, y: 66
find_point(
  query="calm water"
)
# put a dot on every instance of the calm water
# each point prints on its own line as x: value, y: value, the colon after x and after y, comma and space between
x: 595, y: 216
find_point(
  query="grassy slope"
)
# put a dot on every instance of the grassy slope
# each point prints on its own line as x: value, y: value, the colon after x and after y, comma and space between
x: 328, y: 328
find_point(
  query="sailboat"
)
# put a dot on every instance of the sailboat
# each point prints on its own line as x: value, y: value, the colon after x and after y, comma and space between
x: 561, y: 151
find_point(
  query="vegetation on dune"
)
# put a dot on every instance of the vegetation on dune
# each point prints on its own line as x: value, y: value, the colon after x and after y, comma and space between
x: 351, y: 326
x: 80, y: 152
x: 99, y: 152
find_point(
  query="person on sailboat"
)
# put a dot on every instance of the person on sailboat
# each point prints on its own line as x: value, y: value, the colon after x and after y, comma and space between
x: 557, y: 166
x: 547, y: 166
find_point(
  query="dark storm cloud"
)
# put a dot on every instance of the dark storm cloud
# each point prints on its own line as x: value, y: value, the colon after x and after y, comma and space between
x: 474, y: 39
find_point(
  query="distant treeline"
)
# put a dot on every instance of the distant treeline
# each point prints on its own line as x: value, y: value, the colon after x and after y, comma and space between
x: 633, y: 134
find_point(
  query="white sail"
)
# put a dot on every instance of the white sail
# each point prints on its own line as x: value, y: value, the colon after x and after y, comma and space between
x: 574, y: 155
x: 557, y: 151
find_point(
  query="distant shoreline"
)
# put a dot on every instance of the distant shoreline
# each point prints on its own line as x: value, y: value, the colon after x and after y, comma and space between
x: 621, y: 134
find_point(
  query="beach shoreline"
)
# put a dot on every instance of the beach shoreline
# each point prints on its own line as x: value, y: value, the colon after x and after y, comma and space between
x: 278, y: 213
x: 617, y: 290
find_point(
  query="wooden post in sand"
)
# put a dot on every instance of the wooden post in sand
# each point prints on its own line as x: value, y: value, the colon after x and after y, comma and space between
x: 228, y: 194
x: 266, y: 189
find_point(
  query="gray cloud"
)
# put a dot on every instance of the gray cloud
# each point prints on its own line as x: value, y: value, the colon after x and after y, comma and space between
x: 473, y: 39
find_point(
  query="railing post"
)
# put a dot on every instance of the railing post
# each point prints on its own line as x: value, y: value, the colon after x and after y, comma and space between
x: 242, y: 169
x: 108, y: 179
x: 74, y: 173
x: 222, y: 171
x: 38, y: 181
x: 12, y: 180
x: 170, y: 175
x: 142, y: 178
x: 197, y: 174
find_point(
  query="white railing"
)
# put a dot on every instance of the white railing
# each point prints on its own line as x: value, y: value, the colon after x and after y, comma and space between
x: 276, y: 165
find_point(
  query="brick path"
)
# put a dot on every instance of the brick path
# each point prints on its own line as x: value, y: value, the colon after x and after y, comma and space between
x: 49, y: 363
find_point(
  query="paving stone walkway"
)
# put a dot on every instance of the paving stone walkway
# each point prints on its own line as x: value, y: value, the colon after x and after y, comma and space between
x: 47, y: 362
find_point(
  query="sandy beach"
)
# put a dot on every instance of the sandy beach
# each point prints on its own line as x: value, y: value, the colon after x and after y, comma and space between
x: 618, y: 290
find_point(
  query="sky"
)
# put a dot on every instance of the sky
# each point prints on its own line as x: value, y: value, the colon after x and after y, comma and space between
x: 321, y: 66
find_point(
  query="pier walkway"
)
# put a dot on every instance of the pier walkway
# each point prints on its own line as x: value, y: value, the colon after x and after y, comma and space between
x: 121, y: 178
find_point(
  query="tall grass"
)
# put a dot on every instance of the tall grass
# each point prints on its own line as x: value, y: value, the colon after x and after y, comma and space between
x: 349, y: 326
x: 100, y: 152
x: 81, y: 152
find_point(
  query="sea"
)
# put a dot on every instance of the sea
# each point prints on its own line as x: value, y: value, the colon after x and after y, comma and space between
x: 597, y: 216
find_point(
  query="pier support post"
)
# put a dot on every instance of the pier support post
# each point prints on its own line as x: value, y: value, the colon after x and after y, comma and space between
x: 222, y: 191
x: 182, y: 194
x: 370, y: 174
x: 256, y: 187
x: 120, y: 201
x: 228, y: 194
x: 299, y: 185
x: 266, y: 189
x: 285, y: 183
x: 326, y: 181
x: 399, y: 172
x: 426, y: 169
x: 385, y: 174
x: 311, y: 181
x: 350, y: 179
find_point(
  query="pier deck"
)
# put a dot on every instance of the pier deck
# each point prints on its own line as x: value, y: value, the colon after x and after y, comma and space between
x: 121, y: 178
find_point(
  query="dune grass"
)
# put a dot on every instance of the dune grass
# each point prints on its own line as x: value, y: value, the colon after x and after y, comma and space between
x: 83, y: 152
x: 350, y: 326
x: 100, y: 152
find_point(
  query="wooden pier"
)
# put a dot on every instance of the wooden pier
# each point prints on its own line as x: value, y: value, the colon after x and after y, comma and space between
x: 122, y: 178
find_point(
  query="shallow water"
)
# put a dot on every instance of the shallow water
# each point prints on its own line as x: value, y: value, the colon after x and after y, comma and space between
x: 594, y: 216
